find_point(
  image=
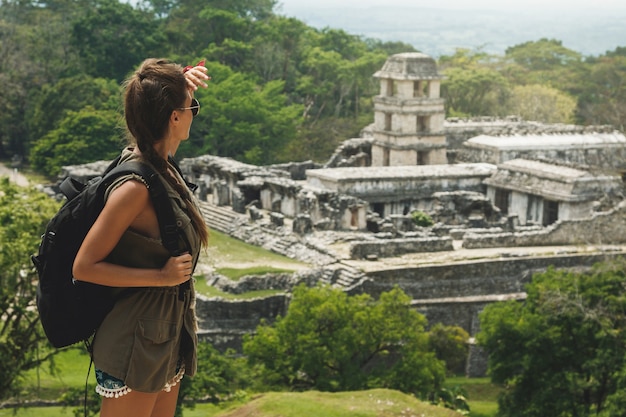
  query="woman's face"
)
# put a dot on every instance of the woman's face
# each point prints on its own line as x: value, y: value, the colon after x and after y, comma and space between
x: 186, y: 115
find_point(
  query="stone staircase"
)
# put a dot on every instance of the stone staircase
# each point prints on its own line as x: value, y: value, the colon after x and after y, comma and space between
x: 282, y: 246
x: 237, y: 225
x: 342, y: 276
x: 222, y: 219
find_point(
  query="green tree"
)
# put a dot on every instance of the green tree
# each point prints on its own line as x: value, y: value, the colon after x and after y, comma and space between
x: 112, y: 37
x: 34, y: 50
x: 451, y: 345
x: 333, y: 342
x: 24, y: 212
x: 228, y: 38
x: 545, y: 62
x: 421, y: 219
x: 541, y: 103
x: 603, y: 96
x: 224, y: 28
x: 255, y: 9
x: 544, y: 54
x: 242, y: 120
x: 54, y: 101
x: 318, y: 84
x: 474, y: 91
x: 473, y: 84
x: 388, y: 47
x: 561, y: 352
x: 84, y: 136
x: 12, y: 124
x: 219, y: 378
x: 278, y: 46
x: 615, y: 404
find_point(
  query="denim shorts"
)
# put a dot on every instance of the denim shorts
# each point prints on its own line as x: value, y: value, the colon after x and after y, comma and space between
x: 110, y: 387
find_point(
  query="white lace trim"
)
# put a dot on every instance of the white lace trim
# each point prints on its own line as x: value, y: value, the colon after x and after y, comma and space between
x: 119, y: 392
x: 181, y: 372
x: 112, y: 392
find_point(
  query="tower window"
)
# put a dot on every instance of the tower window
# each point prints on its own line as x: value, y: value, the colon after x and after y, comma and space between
x: 422, y: 124
x: 387, y: 121
x: 390, y: 88
x: 421, y: 158
x: 421, y: 88
x: 417, y: 89
x: 386, y: 157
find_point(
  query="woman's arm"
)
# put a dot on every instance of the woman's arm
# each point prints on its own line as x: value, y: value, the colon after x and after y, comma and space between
x: 124, y: 208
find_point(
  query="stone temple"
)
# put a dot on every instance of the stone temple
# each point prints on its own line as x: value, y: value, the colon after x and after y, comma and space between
x: 507, y: 198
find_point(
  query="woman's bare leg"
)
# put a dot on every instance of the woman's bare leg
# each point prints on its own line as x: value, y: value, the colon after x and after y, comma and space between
x: 141, y: 404
x: 165, y: 405
x: 135, y: 404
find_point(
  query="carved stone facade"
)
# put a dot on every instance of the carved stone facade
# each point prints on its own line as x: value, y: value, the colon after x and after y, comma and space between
x: 225, y: 182
x: 401, y: 189
x: 541, y: 193
x: 599, y: 150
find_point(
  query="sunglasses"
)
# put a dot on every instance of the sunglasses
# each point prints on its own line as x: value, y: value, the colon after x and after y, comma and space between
x: 195, y: 107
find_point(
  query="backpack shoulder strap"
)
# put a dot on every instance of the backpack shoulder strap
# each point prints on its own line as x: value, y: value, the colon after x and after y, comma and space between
x: 159, y: 197
x: 71, y: 187
x: 192, y: 187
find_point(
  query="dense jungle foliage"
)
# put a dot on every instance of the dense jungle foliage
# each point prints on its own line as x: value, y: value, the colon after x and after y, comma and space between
x: 281, y: 90
x: 563, y: 351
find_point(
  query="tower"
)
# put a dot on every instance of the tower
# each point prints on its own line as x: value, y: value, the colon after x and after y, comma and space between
x: 408, y: 113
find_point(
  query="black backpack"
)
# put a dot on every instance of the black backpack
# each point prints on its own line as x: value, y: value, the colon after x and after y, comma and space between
x: 71, y: 311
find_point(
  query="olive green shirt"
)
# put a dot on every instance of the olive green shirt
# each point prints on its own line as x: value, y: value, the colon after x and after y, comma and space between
x: 150, y: 330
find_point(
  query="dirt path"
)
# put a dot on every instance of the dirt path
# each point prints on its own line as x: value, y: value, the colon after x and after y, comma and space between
x: 14, y: 175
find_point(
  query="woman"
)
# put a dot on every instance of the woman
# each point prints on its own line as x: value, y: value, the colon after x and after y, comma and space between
x: 148, y: 341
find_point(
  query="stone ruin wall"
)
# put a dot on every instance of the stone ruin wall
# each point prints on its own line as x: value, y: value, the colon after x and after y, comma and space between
x: 458, y: 130
x: 614, y: 160
x: 605, y: 228
x: 276, y: 188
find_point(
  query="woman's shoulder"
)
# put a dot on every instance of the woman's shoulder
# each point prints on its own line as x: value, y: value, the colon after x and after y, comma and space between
x: 132, y: 191
x: 130, y: 184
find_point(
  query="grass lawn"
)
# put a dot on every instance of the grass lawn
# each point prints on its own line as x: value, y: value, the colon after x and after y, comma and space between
x: 481, y: 393
x: 200, y: 410
x: 371, y: 403
x: 234, y: 258
x: 72, y: 364
x: 203, y: 288
x: 37, y: 412
x: 69, y: 370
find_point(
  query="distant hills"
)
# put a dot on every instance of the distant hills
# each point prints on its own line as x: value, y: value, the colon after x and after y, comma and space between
x: 439, y: 32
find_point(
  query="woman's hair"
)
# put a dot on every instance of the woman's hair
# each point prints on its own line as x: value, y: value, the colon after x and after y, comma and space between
x: 152, y: 93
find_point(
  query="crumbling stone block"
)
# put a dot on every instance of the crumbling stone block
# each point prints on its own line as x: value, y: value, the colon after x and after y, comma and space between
x: 277, y: 219
x: 324, y: 224
x: 302, y: 224
x: 255, y: 213
x: 221, y: 193
x: 385, y: 248
x: 238, y: 201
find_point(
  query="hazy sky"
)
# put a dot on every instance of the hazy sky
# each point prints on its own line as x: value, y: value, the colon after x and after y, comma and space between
x: 590, y: 27
x: 459, y: 4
